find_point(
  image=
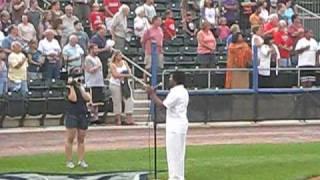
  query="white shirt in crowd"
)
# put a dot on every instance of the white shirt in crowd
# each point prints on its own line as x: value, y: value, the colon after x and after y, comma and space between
x: 264, y: 15
x: 256, y: 39
x: 308, y: 57
x: 177, y: 103
x: 210, y: 15
x: 150, y: 11
x: 27, y: 32
x: 141, y: 24
x: 1, y: 38
x: 46, y: 47
x: 265, y: 59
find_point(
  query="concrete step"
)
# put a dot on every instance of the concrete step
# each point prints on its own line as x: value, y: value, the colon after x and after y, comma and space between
x: 141, y: 110
x: 141, y: 103
x: 140, y: 95
x: 137, y: 117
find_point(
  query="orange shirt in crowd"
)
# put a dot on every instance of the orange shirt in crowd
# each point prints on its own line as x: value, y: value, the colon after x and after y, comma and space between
x: 208, y: 39
x: 255, y: 20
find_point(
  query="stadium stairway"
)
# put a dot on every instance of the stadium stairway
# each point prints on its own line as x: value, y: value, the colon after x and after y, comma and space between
x: 141, y: 108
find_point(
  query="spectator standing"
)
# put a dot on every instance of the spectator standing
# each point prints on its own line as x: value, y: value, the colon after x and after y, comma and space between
x: 119, y: 27
x: 73, y: 53
x: 184, y: 5
x: 46, y: 23
x: 12, y: 36
x: 18, y: 7
x: 111, y: 8
x: 96, y: 18
x: 94, y: 80
x: 83, y: 38
x: 27, y: 32
x: 271, y: 26
x: 120, y: 72
x: 3, y: 5
x: 36, y: 61
x: 284, y: 43
x: 55, y: 10
x: 307, y: 49
x: 231, y: 11
x: 1, y: 38
x: 281, y: 9
x: 255, y: 19
x: 269, y: 58
x: 141, y: 23
x: 155, y: 34
x: 5, y: 22
x: 224, y: 30
x: 103, y: 51
x: 51, y: 49
x: 3, y: 73
x: 82, y: 9
x: 239, y: 56
x: 169, y: 29
x: 264, y: 12
x: 67, y: 24
x: 296, y: 30
x: 35, y: 15
x: 245, y: 13
x: 206, y: 46
x: 289, y: 12
x: 209, y: 12
x: 149, y: 9
x: 257, y: 40
x: 17, y: 74
x: 189, y: 25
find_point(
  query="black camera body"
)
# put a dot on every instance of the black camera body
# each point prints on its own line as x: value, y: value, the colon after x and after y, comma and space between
x: 75, y: 77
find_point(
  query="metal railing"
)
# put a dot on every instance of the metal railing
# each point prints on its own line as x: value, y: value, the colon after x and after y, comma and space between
x: 310, y: 19
x: 310, y: 5
x: 209, y: 71
x: 134, y: 67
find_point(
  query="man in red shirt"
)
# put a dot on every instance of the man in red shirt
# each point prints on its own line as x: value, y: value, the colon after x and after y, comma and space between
x: 111, y: 8
x: 296, y: 30
x: 169, y: 29
x: 96, y: 18
x: 284, y: 43
x: 270, y: 27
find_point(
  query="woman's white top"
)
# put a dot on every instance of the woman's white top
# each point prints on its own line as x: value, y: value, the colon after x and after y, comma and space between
x: 265, y: 59
x: 120, y: 70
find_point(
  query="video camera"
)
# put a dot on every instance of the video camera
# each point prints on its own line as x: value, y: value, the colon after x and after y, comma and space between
x: 75, y: 77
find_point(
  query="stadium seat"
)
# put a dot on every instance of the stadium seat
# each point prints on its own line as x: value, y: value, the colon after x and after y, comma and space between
x: 56, y: 102
x: 190, y: 41
x: 171, y: 51
x: 16, y: 106
x: 178, y: 41
x: 36, y: 103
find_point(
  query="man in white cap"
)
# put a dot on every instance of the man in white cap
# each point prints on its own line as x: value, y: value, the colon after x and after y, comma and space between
x: 51, y: 49
x: 73, y: 53
x: 17, y: 74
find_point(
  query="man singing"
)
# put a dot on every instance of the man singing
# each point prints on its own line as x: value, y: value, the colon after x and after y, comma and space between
x: 176, y: 104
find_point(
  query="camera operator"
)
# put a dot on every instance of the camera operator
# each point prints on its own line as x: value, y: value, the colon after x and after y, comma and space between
x: 77, y: 117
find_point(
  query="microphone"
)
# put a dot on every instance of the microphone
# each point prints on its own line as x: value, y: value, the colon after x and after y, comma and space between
x: 158, y: 85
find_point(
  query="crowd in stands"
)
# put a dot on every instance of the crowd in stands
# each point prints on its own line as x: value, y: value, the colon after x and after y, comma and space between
x: 40, y: 43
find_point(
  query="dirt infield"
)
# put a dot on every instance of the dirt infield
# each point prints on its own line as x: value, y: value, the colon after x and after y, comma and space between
x: 33, y: 142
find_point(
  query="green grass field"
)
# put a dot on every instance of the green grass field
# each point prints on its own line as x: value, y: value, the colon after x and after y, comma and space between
x: 214, y: 162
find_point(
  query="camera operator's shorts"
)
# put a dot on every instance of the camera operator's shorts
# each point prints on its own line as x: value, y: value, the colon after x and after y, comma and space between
x: 79, y: 121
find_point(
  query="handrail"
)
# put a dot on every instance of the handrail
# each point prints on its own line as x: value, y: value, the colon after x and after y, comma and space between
x: 137, y: 66
x: 307, y: 11
x: 133, y: 63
